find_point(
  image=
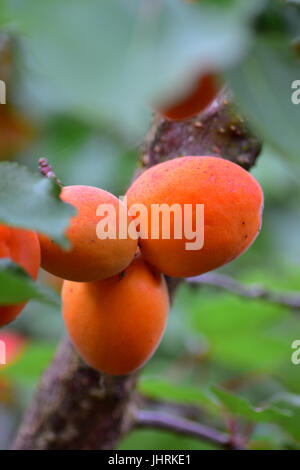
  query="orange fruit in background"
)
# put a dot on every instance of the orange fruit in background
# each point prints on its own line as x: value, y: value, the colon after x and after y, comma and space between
x: 6, y: 58
x: 16, y: 131
x: 15, y: 344
x: 117, y: 324
x: 233, y: 202
x: 22, y: 247
x: 90, y: 258
x: 201, y: 94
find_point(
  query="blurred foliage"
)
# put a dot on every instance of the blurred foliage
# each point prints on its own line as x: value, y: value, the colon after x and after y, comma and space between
x: 17, y: 286
x: 84, y: 74
x: 31, y: 201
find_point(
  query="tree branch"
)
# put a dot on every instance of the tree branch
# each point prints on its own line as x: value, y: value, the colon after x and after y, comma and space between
x: 76, y: 407
x: 286, y: 299
x: 220, y: 131
x: 184, y: 427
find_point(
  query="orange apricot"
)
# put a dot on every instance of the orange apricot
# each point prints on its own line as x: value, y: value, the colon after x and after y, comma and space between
x: 22, y: 247
x: 90, y: 258
x: 196, y: 100
x: 117, y: 324
x: 233, y: 202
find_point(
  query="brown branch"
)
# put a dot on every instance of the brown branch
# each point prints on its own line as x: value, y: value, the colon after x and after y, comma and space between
x: 76, y: 407
x: 184, y: 427
x: 219, y: 131
x: 286, y: 299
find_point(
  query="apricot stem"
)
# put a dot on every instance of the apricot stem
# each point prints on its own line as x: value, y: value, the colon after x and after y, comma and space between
x: 47, y: 170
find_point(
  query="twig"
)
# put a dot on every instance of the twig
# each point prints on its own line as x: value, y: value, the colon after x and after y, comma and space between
x: 175, y: 424
x: 47, y: 170
x: 287, y: 299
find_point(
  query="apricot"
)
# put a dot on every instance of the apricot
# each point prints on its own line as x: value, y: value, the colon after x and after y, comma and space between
x: 117, y: 324
x: 22, y: 247
x: 233, y: 202
x: 90, y: 258
x: 196, y: 100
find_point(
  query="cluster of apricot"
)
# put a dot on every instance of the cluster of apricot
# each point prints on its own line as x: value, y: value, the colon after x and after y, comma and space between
x: 115, y: 299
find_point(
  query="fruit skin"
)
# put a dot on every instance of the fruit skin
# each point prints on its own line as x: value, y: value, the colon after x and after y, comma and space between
x: 90, y: 258
x: 233, y: 202
x: 200, y: 96
x: 22, y: 247
x: 117, y: 324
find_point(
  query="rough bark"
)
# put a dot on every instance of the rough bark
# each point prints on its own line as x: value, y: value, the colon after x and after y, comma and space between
x: 76, y: 407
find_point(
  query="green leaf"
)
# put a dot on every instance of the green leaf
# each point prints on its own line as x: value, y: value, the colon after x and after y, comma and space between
x: 291, y: 403
x: 144, y: 439
x: 28, y: 368
x: 108, y: 60
x: 263, y: 87
x: 241, y: 407
x: 238, y: 331
x: 160, y: 388
x: 32, y: 201
x: 16, y: 286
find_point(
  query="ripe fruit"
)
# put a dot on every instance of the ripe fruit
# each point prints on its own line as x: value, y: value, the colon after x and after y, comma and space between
x: 233, y: 202
x: 22, y: 246
x: 202, y: 94
x: 90, y: 257
x: 117, y: 324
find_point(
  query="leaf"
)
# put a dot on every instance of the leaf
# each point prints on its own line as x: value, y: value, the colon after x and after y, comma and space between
x: 30, y: 365
x: 263, y: 88
x: 240, y: 406
x: 144, y: 439
x: 32, y: 201
x: 108, y: 60
x: 160, y: 388
x: 291, y: 403
x: 238, y: 331
x: 16, y: 286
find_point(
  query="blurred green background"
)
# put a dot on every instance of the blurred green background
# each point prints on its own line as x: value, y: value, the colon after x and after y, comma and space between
x: 85, y: 92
